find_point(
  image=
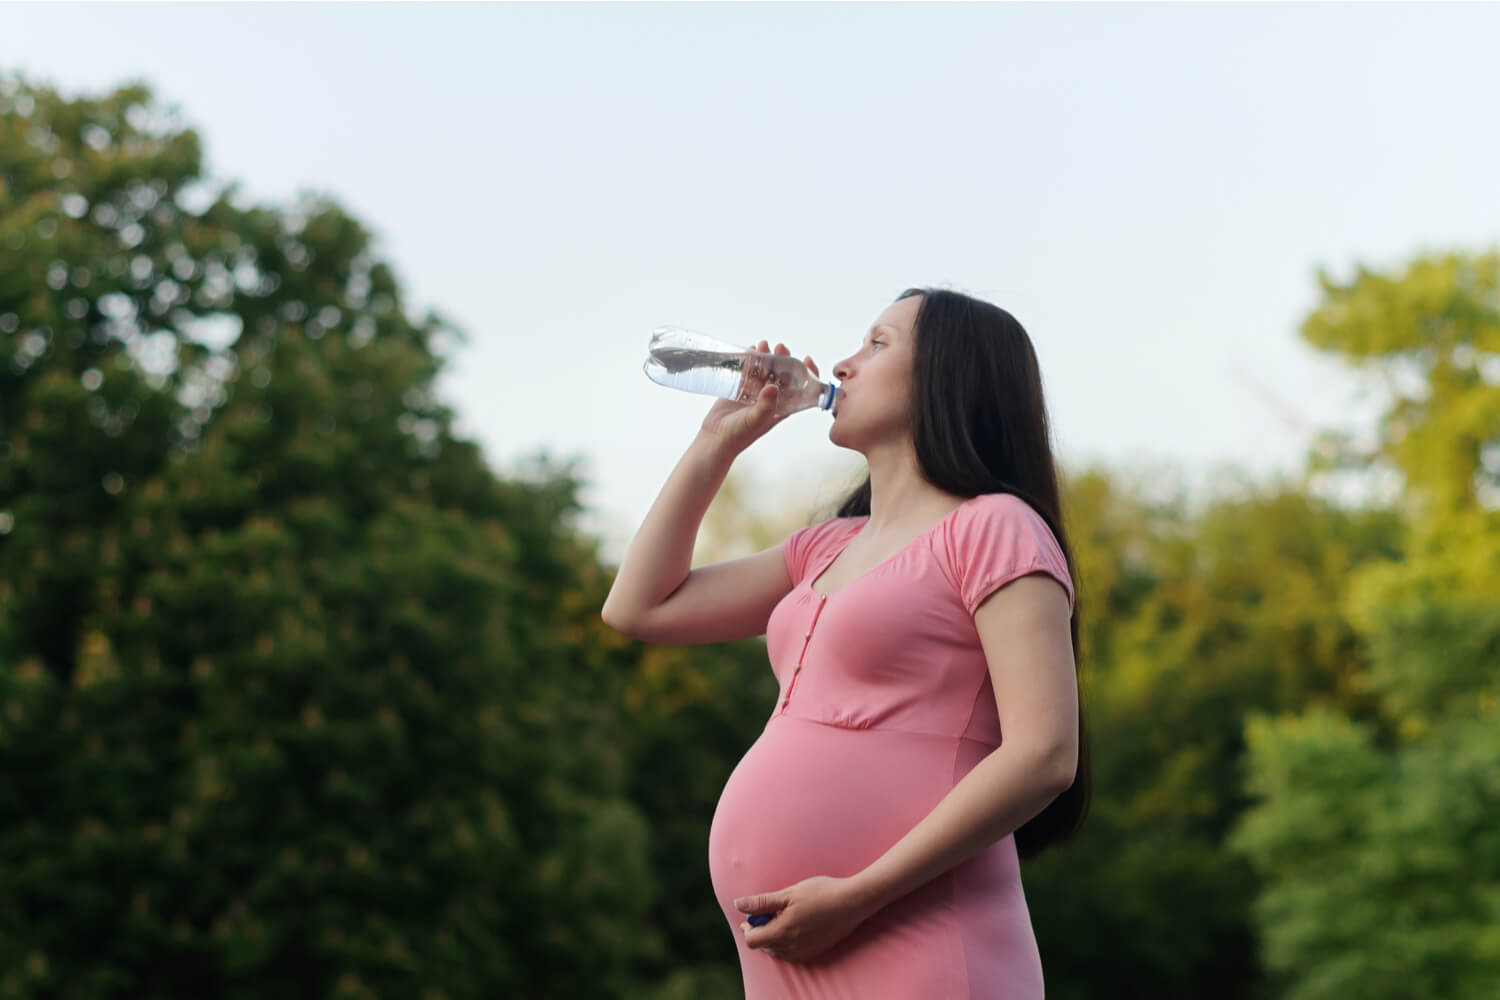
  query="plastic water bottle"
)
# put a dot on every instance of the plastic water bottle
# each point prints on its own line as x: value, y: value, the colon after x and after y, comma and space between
x: 692, y: 362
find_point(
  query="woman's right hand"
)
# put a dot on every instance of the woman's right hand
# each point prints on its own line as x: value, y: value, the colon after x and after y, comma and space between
x: 735, y: 425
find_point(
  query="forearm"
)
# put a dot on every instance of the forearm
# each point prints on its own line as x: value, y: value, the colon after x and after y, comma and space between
x: 1001, y: 793
x: 660, y: 556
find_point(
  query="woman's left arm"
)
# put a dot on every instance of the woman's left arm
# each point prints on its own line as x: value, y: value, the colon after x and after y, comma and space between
x: 1024, y: 629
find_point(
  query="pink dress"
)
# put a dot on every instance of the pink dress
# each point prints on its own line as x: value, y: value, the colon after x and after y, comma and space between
x: 885, y: 704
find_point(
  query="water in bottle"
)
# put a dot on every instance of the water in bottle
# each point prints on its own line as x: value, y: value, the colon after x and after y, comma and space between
x: 694, y: 362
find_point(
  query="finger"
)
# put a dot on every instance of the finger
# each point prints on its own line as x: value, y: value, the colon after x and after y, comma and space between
x: 757, y: 943
x: 750, y: 904
x: 812, y: 364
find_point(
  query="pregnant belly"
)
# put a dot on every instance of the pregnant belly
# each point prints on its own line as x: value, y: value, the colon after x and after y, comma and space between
x: 812, y: 799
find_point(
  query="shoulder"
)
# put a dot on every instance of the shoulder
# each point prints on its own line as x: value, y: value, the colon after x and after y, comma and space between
x: 1005, y: 514
x: 994, y: 538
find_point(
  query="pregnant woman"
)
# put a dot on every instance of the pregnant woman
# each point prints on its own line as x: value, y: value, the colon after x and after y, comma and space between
x: 927, y: 735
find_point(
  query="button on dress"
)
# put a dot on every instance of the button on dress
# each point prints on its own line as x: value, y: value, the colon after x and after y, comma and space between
x: 885, y: 703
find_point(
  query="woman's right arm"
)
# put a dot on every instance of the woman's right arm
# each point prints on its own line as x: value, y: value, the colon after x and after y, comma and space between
x: 657, y: 596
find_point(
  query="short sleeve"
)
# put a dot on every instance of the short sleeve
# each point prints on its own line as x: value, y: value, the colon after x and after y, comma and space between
x: 997, y: 538
x: 803, y: 547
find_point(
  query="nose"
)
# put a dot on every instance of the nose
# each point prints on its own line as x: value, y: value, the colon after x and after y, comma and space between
x: 841, y: 370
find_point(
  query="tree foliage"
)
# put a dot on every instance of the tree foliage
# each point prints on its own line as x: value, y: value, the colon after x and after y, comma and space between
x: 296, y: 697
x: 1377, y: 836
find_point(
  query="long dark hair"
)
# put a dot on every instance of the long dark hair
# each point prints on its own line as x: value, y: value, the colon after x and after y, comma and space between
x: 979, y: 425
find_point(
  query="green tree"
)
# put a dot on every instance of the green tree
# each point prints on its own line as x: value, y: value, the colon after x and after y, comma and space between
x: 296, y: 698
x: 1377, y: 836
x: 1195, y: 612
x: 1430, y: 336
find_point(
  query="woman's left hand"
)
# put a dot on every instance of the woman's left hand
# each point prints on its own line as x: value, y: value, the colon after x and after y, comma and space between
x: 811, y: 917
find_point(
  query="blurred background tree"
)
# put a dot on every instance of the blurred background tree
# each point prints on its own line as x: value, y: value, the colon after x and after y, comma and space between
x: 297, y: 698
x: 1193, y: 617
x: 1378, y: 832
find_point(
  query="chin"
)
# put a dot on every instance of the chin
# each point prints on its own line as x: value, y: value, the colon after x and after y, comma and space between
x: 840, y: 435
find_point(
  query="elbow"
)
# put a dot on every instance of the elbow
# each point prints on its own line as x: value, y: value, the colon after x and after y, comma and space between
x: 614, y: 621
x: 609, y: 618
x: 1063, y: 770
x: 1053, y: 770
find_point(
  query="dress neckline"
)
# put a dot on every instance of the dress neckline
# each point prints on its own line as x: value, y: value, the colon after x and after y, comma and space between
x: 827, y: 564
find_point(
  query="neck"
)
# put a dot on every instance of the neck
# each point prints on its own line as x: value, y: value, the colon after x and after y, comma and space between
x: 899, y: 494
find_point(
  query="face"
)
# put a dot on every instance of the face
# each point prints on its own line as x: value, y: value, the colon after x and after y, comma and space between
x: 875, y: 381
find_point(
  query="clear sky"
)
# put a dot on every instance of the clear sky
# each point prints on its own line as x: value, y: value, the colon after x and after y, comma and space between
x: 1148, y: 188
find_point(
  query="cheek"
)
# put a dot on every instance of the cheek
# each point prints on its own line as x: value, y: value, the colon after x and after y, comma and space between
x: 893, y: 387
x: 883, y: 406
